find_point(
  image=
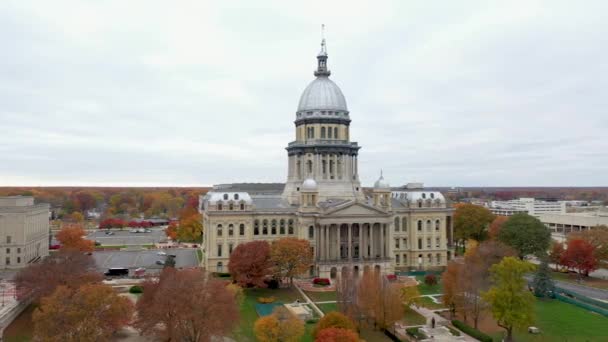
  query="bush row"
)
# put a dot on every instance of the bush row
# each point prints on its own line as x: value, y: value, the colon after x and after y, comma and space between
x: 471, y: 331
x: 320, y: 281
x: 416, y: 333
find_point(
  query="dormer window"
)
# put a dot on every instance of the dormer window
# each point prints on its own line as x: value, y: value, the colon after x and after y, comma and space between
x: 432, y: 195
x: 236, y: 197
x: 225, y: 197
x: 423, y: 195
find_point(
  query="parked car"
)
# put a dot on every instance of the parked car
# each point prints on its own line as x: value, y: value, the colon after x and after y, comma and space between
x: 161, y: 253
x: 147, y: 231
x: 109, y: 233
x: 133, y: 231
x: 173, y: 255
x: 97, y: 243
x: 117, y: 272
x: 160, y: 262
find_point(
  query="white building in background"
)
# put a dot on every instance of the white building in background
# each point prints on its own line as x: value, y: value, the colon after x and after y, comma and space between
x: 527, y: 205
x: 24, y: 231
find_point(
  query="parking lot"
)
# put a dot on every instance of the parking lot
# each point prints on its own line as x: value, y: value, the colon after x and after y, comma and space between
x: 185, y: 257
x: 125, y: 237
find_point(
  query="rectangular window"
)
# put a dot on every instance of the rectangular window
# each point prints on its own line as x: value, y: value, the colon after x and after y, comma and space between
x: 242, y: 230
x: 229, y: 249
x: 219, y: 250
x: 419, y: 243
x: 8, y: 239
x: 396, y: 243
x: 19, y: 250
x: 405, y: 243
x: 8, y: 260
x: 428, y: 243
x: 397, y: 259
x: 18, y: 260
x: 437, y: 242
x: 8, y: 251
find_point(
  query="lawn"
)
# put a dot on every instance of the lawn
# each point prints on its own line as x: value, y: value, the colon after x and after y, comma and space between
x: 426, y: 289
x: 428, y: 303
x: 322, y: 296
x: 327, y: 307
x: 244, y: 332
x: 559, y: 321
x: 411, y: 317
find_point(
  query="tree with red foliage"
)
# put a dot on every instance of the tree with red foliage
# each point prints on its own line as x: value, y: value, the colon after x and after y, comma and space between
x: 171, y: 231
x: 68, y: 268
x: 556, y: 253
x: 250, y: 263
x: 186, y: 305
x: 430, y: 279
x: 580, y: 255
x: 72, y: 237
x: 336, y: 335
x: 496, y: 225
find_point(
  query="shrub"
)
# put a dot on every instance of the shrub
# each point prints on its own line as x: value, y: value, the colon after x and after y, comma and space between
x: 320, y: 281
x: 334, y: 319
x: 266, y: 300
x: 136, y: 289
x: 454, y: 332
x: 471, y: 331
x: 221, y: 274
x: 430, y: 279
x: 272, y: 284
x: 416, y: 333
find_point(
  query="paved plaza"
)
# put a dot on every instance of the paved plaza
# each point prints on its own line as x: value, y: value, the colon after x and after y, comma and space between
x: 185, y: 257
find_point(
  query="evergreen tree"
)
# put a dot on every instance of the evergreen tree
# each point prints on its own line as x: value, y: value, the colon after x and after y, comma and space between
x: 542, y: 283
x: 170, y: 261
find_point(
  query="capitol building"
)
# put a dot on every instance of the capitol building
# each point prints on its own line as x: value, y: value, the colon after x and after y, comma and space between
x: 322, y: 201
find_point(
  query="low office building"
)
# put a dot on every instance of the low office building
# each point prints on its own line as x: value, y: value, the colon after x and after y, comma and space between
x: 573, y: 222
x: 24, y: 231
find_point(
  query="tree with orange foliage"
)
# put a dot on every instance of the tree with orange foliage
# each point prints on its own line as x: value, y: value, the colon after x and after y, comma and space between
x: 186, y: 305
x: 334, y: 319
x: 71, y: 236
x: 67, y: 267
x: 580, y: 255
x: 291, y: 257
x: 190, y: 228
x: 92, y: 312
x: 377, y: 299
x: 250, y: 263
x: 496, y: 225
x: 171, y: 231
x: 281, y: 326
x: 451, y: 286
x: 336, y: 335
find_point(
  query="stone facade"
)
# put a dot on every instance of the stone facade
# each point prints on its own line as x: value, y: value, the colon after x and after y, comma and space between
x: 324, y: 203
x: 24, y: 231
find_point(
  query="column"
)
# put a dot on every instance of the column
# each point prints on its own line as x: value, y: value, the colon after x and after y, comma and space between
x: 327, y: 237
x: 317, y: 243
x: 381, y: 226
x: 371, y: 241
x: 339, y: 250
x: 360, y: 241
x: 349, y: 244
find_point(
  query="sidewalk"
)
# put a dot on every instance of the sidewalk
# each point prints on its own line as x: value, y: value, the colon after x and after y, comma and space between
x: 439, y: 321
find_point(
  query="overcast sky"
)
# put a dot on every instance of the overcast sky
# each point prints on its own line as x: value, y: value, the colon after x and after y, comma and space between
x: 458, y: 93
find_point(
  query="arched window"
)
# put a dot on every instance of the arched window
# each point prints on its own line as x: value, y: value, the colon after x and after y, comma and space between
x: 282, y: 227
x: 311, y: 232
x: 322, y: 132
x: 437, y: 224
x: 335, y: 132
x: 423, y: 195
x: 404, y: 224
x: 265, y: 227
x: 241, y: 229
x: 396, y: 224
x: 274, y: 227
x: 231, y: 206
x: 419, y: 203
x: 428, y: 225
x: 242, y: 206
x: 219, y: 230
x: 329, y: 132
x: 256, y: 227
x: 219, y: 206
x: 230, y: 230
x: 290, y: 226
x: 432, y: 195
x: 419, y: 225
x: 225, y: 197
x: 312, y: 132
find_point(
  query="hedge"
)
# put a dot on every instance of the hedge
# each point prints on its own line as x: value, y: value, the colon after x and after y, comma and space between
x: 416, y: 333
x: 136, y: 289
x: 471, y: 331
x: 581, y: 304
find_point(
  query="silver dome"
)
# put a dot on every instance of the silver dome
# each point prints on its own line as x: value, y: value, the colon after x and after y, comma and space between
x: 322, y: 94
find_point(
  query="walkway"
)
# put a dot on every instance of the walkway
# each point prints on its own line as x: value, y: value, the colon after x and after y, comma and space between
x: 308, y: 300
x: 439, y: 321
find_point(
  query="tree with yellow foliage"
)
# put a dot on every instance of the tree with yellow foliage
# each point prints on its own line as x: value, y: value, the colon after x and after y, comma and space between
x: 281, y: 326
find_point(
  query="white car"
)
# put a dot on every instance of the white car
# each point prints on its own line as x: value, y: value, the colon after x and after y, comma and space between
x: 161, y: 253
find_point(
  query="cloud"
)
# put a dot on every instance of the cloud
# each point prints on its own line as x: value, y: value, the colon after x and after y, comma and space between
x: 148, y: 93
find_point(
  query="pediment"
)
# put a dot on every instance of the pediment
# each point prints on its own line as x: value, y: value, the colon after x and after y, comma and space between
x: 354, y: 209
